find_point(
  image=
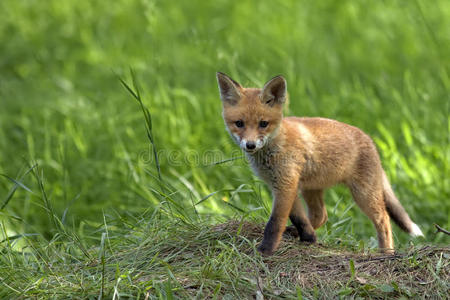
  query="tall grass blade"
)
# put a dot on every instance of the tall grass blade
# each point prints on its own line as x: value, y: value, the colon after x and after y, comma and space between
x: 147, y: 116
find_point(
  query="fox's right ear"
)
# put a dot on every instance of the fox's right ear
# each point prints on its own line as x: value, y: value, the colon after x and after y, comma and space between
x: 229, y: 89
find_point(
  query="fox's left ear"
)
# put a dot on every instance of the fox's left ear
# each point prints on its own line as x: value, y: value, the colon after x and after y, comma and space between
x: 274, y: 91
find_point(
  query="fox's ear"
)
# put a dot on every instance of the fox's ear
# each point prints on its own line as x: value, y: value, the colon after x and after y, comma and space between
x: 229, y: 89
x: 274, y: 91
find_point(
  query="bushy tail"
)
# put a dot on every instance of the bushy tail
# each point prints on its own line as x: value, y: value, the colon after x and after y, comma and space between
x: 397, y: 212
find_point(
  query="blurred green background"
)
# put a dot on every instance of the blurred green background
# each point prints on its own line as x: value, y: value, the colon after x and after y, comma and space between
x: 382, y: 66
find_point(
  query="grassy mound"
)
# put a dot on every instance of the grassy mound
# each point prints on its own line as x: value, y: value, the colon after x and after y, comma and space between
x: 176, y: 259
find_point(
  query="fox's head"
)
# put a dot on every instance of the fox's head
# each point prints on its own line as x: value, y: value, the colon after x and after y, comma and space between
x: 252, y: 115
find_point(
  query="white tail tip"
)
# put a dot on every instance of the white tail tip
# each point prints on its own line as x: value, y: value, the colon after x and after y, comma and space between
x: 416, y: 231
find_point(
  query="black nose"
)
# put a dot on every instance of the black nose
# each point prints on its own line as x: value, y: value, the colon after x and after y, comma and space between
x: 250, y: 145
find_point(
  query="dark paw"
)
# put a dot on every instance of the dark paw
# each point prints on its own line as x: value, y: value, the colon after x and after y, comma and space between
x: 291, y: 231
x: 308, y: 237
x: 265, y: 251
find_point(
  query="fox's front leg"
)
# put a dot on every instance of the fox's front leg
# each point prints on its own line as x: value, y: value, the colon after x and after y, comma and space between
x: 284, y: 197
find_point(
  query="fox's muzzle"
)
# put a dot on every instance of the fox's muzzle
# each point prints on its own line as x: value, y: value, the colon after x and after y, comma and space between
x: 252, y: 145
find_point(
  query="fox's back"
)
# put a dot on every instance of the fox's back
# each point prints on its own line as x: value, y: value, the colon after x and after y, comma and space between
x: 328, y: 130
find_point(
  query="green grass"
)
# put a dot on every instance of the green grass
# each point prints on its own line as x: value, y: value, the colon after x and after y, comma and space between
x: 79, y: 184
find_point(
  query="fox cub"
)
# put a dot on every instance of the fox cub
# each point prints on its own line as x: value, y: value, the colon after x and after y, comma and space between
x: 307, y: 155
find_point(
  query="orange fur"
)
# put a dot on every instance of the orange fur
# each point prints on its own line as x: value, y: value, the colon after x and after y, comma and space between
x: 308, y: 155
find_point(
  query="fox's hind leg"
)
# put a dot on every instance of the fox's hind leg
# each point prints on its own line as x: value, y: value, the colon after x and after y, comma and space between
x: 317, y: 211
x: 369, y: 197
x: 301, y: 222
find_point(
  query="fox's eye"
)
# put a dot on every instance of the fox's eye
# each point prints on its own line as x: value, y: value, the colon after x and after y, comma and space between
x: 263, y: 124
x: 239, y: 123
